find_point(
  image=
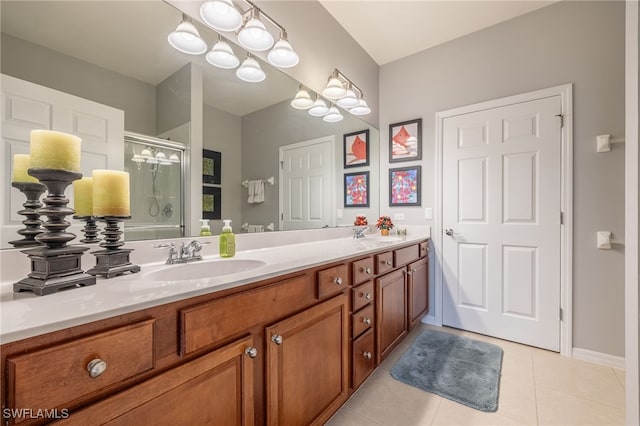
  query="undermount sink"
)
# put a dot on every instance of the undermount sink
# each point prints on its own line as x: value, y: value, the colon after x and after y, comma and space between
x: 381, y: 239
x: 204, y: 269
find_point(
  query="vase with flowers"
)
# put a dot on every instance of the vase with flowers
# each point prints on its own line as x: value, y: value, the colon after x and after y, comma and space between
x: 384, y: 224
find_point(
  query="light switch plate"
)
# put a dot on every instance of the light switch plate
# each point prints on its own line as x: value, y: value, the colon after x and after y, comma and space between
x: 398, y: 216
x: 428, y: 213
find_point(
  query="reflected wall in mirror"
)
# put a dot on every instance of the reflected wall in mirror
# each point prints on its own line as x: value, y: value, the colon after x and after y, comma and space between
x: 80, y: 48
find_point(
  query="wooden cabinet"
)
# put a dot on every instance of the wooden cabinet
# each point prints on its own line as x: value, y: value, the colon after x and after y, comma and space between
x: 391, y: 311
x: 362, y: 270
x: 216, y: 388
x: 418, y: 285
x: 307, y: 364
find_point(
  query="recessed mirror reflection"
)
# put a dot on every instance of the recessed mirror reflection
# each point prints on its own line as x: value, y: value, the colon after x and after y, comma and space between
x: 80, y: 52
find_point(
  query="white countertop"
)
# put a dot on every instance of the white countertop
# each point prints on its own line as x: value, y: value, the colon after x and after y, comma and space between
x: 26, y: 315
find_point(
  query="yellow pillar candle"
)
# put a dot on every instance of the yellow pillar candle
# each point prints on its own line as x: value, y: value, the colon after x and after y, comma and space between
x: 20, y: 167
x: 83, y: 196
x: 55, y: 150
x: 111, y: 193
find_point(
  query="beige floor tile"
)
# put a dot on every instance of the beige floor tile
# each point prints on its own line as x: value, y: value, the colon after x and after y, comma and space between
x: 620, y: 374
x: 557, y: 408
x: 390, y: 402
x: 451, y: 413
x: 346, y: 417
x: 517, y: 399
x: 579, y: 378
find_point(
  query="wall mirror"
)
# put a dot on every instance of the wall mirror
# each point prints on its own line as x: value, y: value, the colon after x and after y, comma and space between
x: 116, y: 54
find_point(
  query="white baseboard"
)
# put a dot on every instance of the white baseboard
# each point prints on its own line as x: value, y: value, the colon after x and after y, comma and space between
x: 431, y: 320
x: 598, y: 358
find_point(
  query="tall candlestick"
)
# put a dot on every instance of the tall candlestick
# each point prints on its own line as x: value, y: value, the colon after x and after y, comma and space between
x: 55, y: 150
x: 83, y: 196
x: 111, y: 193
x: 20, y: 167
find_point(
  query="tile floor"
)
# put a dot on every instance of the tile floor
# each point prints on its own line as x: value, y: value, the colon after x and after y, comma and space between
x: 537, y: 387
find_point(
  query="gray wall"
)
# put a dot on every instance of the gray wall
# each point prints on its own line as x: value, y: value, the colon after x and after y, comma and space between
x: 264, y: 131
x: 49, y: 68
x: 223, y: 133
x: 173, y: 96
x: 568, y: 42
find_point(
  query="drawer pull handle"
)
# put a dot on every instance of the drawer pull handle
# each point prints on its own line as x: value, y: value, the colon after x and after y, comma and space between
x: 252, y: 352
x: 96, y: 367
x: 367, y: 296
x: 367, y: 355
x: 367, y: 270
x: 414, y: 270
x: 366, y: 321
x: 388, y: 262
x: 338, y: 280
x: 277, y: 339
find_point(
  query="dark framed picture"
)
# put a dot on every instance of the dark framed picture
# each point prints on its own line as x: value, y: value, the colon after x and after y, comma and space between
x: 356, y: 189
x: 211, y: 166
x: 404, y: 186
x: 356, y: 149
x: 405, y: 141
x: 211, y: 202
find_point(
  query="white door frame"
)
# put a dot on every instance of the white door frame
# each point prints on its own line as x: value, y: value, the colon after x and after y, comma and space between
x: 566, y: 203
x: 331, y: 139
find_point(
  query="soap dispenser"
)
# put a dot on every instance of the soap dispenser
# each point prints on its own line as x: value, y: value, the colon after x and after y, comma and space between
x: 205, y: 231
x: 227, y: 240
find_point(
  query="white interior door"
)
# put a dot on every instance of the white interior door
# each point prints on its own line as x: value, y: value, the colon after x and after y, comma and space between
x: 502, y: 222
x: 27, y: 106
x: 306, y: 184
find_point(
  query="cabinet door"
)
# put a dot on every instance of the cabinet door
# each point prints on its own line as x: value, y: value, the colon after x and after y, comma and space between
x: 418, y: 273
x: 216, y: 388
x: 307, y: 364
x: 391, y: 311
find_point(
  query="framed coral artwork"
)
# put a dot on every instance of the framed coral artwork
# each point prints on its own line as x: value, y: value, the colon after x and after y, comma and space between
x: 404, y: 186
x: 356, y: 189
x: 405, y: 141
x: 356, y: 149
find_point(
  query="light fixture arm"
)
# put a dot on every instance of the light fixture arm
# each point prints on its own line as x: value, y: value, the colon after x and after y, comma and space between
x: 340, y: 76
x: 258, y: 12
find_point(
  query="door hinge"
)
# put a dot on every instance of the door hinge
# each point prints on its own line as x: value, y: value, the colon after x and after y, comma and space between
x: 560, y: 314
x: 561, y: 218
x: 282, y: 165
x: 561, y: 115
x: 281, y: 216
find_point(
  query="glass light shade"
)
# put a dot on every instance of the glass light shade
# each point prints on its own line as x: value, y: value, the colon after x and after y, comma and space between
x: 160, y: 156
x: 174, y: 158
x: 137, y: 158
x: 221, y: 55
x: 361, y: 109
x: 221, y: 15
x: 250, y: 71
x: 319, y: 108
x: 254, y: 36
x: 282, y: 55
x: 349, y: 100
x: 186, y: 39
x: 152, y: 161
x: 302, y: 100
x: 146, y: 154
x: 333, y: 116
x: 165, y: 163
x: 334, y: 89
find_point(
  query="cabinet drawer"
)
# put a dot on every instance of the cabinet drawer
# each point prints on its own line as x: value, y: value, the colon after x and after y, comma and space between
x: 384, y: 262
x: 362, y: 270
x: 55, y: 376
x: 332, y: 281
x: 406, y: 255
x: 362, y: 295
x: 361, y: 320
x: 219, y: 319
x: 424, y: 249
x: 363, y: 360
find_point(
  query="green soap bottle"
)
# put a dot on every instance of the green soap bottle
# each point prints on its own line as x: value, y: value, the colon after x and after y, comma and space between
x: 227, y: 240
x: 205, y: 231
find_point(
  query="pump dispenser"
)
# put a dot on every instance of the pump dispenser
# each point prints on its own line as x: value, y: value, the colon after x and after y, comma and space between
x: 227, y: 240
x: 205, y: 231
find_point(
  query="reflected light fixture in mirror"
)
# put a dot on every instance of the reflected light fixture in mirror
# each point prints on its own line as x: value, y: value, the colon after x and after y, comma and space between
x: 333, y: 116
x: 349, y: 100
x: 254, y: 35
x: 250, y: 71
x: 319, y: 108
x: 221, y: 55
x: 334, y: 89
x: 221, y: 15
x: 302, y: 99
x: 361, y: 109
x: 346, y: 94
x: 186, y: 38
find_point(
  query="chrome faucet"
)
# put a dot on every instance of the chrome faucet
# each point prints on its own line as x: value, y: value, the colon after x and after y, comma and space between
x: 359, y: 232
x: 188, y: 252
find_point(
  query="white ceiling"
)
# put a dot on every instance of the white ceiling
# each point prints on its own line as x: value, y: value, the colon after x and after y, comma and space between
x: 392, y: 29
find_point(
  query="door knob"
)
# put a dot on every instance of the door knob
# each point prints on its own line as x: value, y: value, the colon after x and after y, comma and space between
x: 449, y: 232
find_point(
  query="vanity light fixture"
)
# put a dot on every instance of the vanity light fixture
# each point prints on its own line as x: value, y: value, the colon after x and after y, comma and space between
x: 221, y: 55
x: 349, y: 100
x: 333, y: 116
x: 186, y: 38
x: 146, y: 154
x: 334, y: 88
x: 319, y: 108
x: 221, y: 15
x: 302, y: 99
x: 282, y: 55
x: 174, y: 158
x: 254, y: 35
x: 250, y: 71
x: 361, y: 109
x: 346, y: 94
x: 137, y: 158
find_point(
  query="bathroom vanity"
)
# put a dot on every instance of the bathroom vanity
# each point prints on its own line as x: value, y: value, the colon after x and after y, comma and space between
x: 277, y: 345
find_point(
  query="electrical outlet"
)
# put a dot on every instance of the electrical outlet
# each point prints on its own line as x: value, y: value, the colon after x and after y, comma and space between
x: 398, y: 216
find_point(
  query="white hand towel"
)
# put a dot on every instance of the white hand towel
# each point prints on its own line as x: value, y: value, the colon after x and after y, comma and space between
x: 258, y: 194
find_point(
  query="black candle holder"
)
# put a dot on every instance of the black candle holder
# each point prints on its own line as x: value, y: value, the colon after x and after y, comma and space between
x: 113, y: 260
x: 54, y: 266
x: 32, y: 191
x: 90, y: 229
